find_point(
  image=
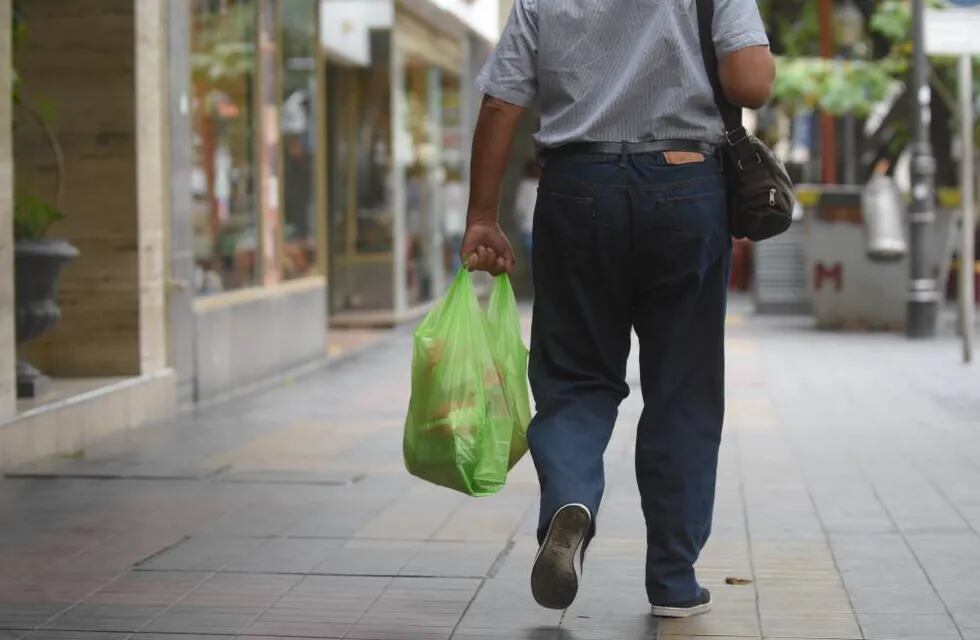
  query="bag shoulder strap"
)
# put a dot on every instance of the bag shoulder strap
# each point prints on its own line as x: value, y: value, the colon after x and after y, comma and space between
x: 730, y: 114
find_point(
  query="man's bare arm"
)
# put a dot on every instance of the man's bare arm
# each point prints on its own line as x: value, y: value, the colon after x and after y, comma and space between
x: 747, y: 76
x: 492, y: 142
x: 485, y: 247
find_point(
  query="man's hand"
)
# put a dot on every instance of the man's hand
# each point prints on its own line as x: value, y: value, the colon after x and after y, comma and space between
x: 486, y: 248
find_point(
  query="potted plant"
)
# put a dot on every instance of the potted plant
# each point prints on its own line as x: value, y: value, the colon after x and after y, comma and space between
x: 38, y: 259
x: 38, y: 262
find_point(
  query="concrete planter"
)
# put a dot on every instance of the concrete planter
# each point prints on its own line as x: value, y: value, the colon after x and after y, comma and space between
x: 37, y: 266
x: 848, y: 288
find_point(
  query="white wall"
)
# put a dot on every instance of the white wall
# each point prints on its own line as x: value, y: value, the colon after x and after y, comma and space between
x: 344, y: 24
x: 481, y: 16
x: 345, y: 27
x: 505, y: 8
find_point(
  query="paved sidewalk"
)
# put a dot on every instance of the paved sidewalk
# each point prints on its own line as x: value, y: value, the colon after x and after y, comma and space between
x: 849, y: 495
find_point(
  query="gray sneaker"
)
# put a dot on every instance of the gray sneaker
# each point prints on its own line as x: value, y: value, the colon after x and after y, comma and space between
x: 701, y: 604
x: 558, y: 566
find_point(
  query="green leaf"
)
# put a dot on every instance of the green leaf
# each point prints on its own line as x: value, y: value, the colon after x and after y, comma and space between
x: 893, y: 20
x: 49, y: 111
x: 33, y: 217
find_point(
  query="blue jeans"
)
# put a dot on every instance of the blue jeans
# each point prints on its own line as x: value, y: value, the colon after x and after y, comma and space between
x: 617, y: 246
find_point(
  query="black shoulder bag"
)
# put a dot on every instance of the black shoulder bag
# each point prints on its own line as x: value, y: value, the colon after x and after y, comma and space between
x: 760, y: 192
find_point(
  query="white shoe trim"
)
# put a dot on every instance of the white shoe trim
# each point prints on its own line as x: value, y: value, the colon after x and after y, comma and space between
x: 541, y: 548
x: 681, y: 612
x: 556, y: 587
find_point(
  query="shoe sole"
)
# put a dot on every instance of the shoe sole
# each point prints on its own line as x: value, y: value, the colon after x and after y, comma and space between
x: 554, y: 581
x: 681, y: 612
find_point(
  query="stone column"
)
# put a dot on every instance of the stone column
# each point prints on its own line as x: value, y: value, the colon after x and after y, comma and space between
x: 8, y: 386
x: 179, y: 249
x: 152, y: 177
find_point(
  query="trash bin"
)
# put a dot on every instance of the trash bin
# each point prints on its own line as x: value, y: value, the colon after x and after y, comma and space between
x: 885, y: 219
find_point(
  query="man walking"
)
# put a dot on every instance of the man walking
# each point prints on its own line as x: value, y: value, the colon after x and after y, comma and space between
x: 630, y: 232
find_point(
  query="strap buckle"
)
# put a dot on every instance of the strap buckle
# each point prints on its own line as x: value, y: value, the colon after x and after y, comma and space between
x: 736, y: 136
x: 738, y: 139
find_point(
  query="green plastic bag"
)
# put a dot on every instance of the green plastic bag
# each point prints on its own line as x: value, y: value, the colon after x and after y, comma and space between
x: 468, y: 416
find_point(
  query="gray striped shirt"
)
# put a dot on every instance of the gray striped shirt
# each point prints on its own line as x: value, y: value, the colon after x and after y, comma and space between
x: 616, y: 70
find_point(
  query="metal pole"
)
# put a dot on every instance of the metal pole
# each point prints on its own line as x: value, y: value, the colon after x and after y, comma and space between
x: 967, y: 250
x: 850, y: 151
x: 923, y: 297
x: 828, y: 124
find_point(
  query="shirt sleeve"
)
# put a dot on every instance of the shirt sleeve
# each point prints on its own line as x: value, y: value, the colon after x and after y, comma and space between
x: 737, y: 25
x: 510, y: 72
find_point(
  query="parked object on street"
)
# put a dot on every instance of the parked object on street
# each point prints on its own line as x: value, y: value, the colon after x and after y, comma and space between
x: 779, y: 278
x: 885, y: 218
x: 469, y: 410
x: 740, y: 278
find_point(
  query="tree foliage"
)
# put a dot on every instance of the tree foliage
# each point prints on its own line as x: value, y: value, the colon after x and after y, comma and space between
x: 838, y: 86
x: 224, y: 45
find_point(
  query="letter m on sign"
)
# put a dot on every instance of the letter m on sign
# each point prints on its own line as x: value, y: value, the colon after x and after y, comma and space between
x: 834, y: 274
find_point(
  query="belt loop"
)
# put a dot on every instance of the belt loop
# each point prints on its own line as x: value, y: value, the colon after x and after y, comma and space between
x: 623, y: 155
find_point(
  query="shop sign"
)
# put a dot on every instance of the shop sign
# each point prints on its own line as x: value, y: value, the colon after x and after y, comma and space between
x: 953, y: 32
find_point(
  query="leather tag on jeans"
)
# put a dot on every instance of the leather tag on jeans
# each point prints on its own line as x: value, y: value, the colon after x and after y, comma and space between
x: 683, y: 157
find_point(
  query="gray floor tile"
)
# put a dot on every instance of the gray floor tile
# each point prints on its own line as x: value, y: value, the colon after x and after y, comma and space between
x: 848, y: 483
x: 26, y: 615
x: 907, y: 627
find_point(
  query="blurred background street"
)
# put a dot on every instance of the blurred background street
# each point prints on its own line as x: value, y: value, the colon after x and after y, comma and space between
x: 220, y: 221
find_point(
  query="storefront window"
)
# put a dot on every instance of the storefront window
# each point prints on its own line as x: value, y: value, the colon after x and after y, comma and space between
x: 435, y: 192
x: 223, y: 179
x: 455, y: 191
x: 360, y: 200
x: 299, y: 136
x: 421, y: 103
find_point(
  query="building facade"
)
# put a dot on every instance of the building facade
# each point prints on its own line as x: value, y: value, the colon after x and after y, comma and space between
x: 83, y: 131
x: 248, y: 296
x: 236, y: 175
